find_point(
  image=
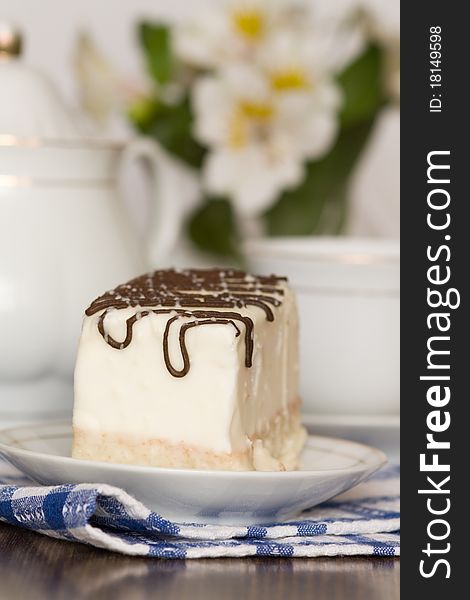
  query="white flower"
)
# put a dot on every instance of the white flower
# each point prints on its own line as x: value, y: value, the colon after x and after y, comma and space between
x: 306, y: 97
x: 261, y: 123
x: 233, y: 30
x: 103, y: 91
x: 97, y: 79
x: 269, y: 103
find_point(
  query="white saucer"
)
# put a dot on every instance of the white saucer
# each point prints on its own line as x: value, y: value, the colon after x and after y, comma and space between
x: 328, y: 467
x: 381, y: 431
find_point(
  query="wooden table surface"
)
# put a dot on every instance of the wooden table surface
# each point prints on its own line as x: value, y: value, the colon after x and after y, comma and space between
x: 33, y: 567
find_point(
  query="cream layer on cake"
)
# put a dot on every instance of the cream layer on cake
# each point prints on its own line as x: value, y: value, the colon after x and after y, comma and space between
x: 160, y: 381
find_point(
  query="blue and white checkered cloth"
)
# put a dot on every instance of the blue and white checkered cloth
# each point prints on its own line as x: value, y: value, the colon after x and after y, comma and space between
x: 364, y: 521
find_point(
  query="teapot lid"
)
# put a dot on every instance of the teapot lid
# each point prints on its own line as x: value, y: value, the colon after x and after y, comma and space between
x: 31, y: 107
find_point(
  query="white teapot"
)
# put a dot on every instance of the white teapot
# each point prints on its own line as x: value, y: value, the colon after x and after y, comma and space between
x: 64, y: 234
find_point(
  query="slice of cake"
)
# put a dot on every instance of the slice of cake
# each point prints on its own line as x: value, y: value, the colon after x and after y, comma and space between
x: 190, y: 369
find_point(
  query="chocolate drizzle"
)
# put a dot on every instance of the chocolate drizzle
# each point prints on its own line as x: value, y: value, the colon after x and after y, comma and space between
x: 189, y: 294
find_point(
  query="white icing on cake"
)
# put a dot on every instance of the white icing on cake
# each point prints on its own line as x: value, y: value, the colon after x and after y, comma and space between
x: 246, y: 416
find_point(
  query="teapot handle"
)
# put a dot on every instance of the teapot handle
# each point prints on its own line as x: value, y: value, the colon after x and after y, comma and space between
x: 167, y: 199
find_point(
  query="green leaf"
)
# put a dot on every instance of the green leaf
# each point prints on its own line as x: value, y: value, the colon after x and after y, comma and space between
x: 319, y: 204
x: 155, y: 40
x: 362, y: 86
x: 142, y: 112
x: 171, y: 126
x: 212, y: 228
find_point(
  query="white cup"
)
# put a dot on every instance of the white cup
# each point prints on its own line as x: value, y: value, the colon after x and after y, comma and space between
x: 348, y: 295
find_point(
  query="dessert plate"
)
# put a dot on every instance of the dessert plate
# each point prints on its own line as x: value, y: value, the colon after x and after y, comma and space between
x: 329, y: 466
x: 381, y: 431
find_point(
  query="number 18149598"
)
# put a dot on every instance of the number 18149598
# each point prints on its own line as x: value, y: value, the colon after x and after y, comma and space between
x: 435, y: 59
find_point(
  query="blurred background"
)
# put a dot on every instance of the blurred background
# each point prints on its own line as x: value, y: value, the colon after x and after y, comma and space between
x: 261, y: 133
x: 51, y: 28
